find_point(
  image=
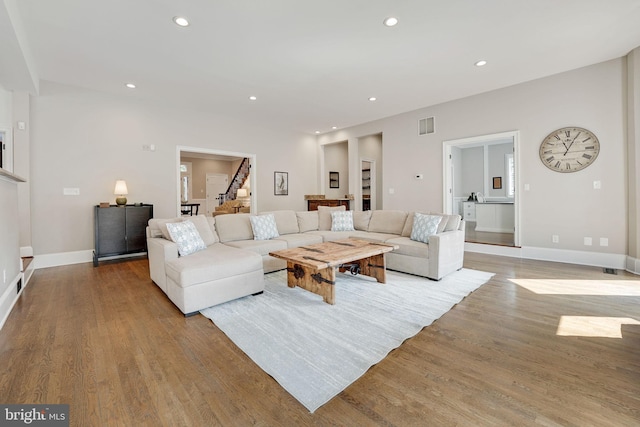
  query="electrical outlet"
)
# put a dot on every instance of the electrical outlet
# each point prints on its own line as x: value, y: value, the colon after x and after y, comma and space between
x: 555, y: 238
x: 597, y: 185
x: 604, y: 241
x: 588, y: 241
x: 71, y: 191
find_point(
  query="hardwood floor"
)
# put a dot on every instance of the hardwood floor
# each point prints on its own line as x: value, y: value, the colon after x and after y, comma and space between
x: 107, y: 341
x: 473, y: 236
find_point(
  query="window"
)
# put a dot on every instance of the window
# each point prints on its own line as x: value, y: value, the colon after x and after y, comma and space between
x: 510, y: 173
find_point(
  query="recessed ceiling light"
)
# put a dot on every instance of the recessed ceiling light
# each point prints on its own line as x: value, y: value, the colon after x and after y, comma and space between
x: 181, y: 21
x: 480, y: 63
x: 130, y: 85
x: 252, y: 98
x: 334, y: 127
x: 390, y: 21
x: 373, y: 98
x: 317, y: 132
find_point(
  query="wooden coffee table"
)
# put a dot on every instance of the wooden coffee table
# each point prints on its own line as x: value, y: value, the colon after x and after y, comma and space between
x: 314, y: 267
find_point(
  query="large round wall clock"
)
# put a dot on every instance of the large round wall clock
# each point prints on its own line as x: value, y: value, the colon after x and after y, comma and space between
x: 569, y: 149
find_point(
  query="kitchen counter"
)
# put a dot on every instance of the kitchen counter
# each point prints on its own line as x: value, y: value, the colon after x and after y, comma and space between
x: 495, y: 217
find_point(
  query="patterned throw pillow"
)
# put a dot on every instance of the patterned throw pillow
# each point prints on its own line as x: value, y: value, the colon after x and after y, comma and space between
x: 186, y: 237
x: 424, y: 226
x: 342, y: 221
x: 264, y: 227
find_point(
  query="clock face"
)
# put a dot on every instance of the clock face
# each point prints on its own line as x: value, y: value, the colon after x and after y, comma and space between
x: 569, y: 149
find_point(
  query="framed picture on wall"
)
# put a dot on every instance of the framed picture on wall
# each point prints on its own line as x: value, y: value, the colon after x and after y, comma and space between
x: 281, y: 183
x: 334, y: 180
x: 497, y: 182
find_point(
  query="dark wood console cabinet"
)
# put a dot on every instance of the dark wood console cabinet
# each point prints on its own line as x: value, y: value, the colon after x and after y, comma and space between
x: 120, y: 230
x: 312, y: 204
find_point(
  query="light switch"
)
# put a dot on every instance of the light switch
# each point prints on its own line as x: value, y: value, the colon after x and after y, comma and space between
x: 597, y: 185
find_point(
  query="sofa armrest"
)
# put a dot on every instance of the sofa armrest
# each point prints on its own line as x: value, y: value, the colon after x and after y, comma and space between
x: 160, y: 251
x: 446, y: 253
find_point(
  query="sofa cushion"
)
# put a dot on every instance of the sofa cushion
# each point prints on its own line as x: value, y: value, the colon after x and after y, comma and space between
x: 158, y: 227
x: 448, y: 223
x: 387, y: 221
x: 261, y: 247
x: 409, y: 247
x: 372, y: 237
x: 218, y: 261
x: 332, y: 236
x: 424, y: 226
x: 186, y: 237
x: 342, y: 221
x: 307, y: 221
x: 286, y: 221
x: 361, y: 220
x: 234, y: 227
x: 324, y: 216
x: 206, y: 228
x: 300, y: 239
x: 264, y: 227
x: 453, y: 223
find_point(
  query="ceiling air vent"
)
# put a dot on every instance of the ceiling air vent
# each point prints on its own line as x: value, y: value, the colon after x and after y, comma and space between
x: 426, y: 126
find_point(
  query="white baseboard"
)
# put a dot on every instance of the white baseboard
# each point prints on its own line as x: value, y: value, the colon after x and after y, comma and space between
x: 9, y: 298
x: 598, y: 259
x: 26, y: 251
x: 62, y: 258
x: 633, y: 265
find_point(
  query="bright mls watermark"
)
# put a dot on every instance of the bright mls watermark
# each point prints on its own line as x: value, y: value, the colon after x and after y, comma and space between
x: 34, y: 415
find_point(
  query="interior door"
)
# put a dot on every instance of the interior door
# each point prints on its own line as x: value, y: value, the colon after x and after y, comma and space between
x: 217, y: 183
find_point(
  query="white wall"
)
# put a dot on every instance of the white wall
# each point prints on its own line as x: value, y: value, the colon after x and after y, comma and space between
x: 564, y: 204
x: 9, y: 231
x: 87, y: 140
x: 336, y: 159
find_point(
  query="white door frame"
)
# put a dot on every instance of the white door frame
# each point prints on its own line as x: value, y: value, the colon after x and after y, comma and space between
x: 252, y: 176
x: 447, y: 190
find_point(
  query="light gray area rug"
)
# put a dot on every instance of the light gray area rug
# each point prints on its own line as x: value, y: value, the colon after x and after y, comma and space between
x: 315, y: 350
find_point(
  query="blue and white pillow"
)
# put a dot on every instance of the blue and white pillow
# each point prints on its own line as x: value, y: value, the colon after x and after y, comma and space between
x: 264, y: 227
x: 186, y: 236
x: 342, y: 221
x: 424, y: 226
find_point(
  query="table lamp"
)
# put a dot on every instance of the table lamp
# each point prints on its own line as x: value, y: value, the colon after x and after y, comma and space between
x: 121, y: 191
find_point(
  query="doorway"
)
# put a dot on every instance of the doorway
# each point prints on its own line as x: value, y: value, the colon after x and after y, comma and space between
x: 217, y: 184
x: 368, y: 179
x: 218, y: 155
x: 481, y: 178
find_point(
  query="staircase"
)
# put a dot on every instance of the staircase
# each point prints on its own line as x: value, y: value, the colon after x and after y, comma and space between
x: 237, y: 182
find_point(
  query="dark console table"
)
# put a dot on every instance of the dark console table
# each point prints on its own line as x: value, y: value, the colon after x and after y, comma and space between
x: 312, y: 204
x: 120, y: 230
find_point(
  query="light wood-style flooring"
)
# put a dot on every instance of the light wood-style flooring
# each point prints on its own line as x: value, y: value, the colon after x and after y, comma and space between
x: 473, y: 236
x: 107, y: 341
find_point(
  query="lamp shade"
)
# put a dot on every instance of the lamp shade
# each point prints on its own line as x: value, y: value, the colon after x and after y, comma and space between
x: 242, y: 192
x: 120, y: 191
x: 121, y: 188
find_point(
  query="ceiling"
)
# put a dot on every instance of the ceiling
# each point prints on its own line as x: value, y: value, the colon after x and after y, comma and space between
x: 311, y: 64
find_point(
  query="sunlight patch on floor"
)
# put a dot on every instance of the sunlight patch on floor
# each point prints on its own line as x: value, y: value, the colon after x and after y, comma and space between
x: 629, y: 288
x: 590, y: 326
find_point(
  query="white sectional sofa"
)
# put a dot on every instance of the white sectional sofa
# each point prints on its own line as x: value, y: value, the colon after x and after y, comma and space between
x: 233, y: 262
